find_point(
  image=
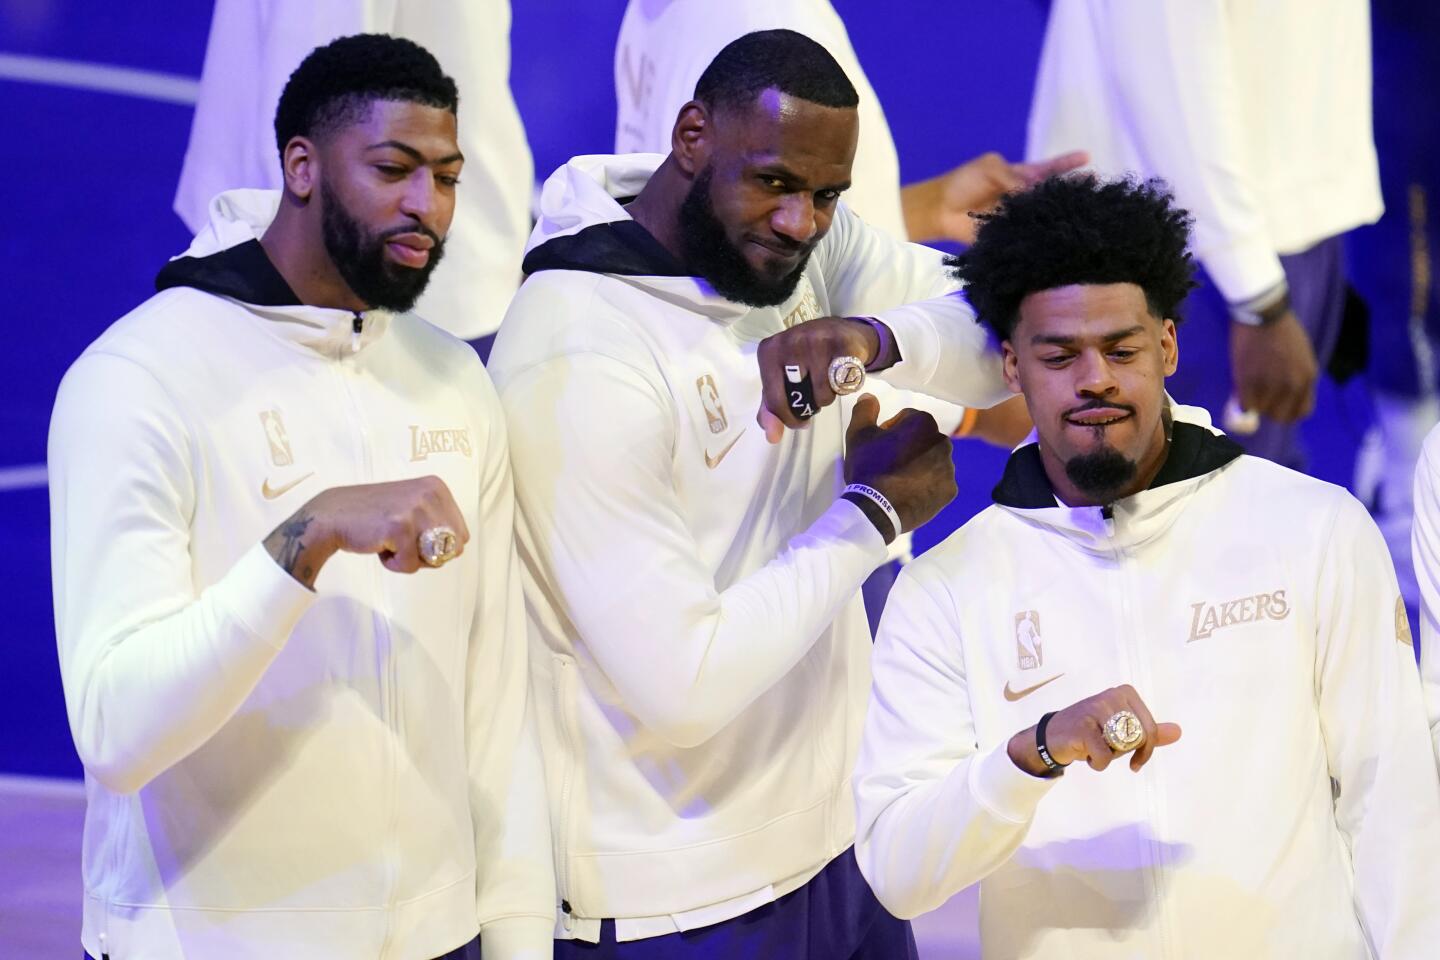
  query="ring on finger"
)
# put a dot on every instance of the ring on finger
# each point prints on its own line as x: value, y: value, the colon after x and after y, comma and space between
x: 1123, y: 731
x: 438, y: 545
x: 847, y: 375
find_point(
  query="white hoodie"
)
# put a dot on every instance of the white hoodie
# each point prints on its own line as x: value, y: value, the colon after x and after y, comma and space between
x: 271, y: 772
x: 702, y: 667
x: 1297, y: 816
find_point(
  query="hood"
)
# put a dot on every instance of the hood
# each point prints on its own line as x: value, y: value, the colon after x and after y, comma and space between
x: 226, y: 260
x: 583, y: 226
x: 1198, y: 452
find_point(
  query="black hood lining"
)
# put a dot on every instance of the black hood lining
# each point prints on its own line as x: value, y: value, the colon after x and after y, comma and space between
x: 242, y: 272
x: 1194, y: 452
x: 622, y: 247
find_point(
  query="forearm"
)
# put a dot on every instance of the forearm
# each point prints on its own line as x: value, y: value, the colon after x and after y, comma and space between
x: 142, y: 699
x: 944, y: 352
x: 708, y: 654
x: 928, y: 839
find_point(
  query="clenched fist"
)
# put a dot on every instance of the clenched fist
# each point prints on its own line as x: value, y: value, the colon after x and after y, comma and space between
x: 385, y: 519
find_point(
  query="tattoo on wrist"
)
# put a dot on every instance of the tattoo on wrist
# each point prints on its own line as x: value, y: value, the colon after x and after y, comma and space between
x: 287, y: 543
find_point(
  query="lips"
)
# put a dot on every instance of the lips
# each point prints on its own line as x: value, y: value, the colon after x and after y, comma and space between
x: 1097, y: 417
x: 410, y: 249
x: 788, y: 254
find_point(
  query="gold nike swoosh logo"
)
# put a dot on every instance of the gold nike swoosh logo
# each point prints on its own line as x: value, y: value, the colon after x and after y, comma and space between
x: 1013, y: 695
x: 270, y: 493
x: 713, y: 462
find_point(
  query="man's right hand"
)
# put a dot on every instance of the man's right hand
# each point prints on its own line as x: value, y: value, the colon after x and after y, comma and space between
x: 1274, y: 368
x: 906, y: 458
x: 385, y: 519
x: 1077, y: 733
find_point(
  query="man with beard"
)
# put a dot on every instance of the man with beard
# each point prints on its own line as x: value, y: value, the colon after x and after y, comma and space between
x: 694, y: 589
x: 291, y: 749
x: 1137, y: 575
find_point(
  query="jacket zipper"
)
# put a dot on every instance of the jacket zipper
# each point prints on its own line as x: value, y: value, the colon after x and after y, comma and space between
x: 388, y: 683
x: 562, y: 841
x: 1133, y: 630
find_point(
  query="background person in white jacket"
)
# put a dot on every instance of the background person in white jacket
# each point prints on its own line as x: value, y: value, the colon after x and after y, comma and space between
x: 1258, y: 115
x: 253, y: 47
x: 290, y: 749
x: 702, y: 651
x: 1165, y: 574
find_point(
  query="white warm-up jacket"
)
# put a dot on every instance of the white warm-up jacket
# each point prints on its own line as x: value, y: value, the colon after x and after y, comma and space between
x: 1297, y: 816
x: 273, y: 772
x: 702, y: 662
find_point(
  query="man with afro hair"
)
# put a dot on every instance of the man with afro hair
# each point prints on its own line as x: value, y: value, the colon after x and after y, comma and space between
x: 1138, y: 574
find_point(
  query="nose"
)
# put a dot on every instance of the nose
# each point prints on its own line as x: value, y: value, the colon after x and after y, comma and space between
x: 1093, y: 376
x: 421, y: 198
x: 794, y: 219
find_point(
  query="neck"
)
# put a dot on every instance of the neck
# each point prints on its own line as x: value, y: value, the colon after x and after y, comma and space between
x: 1145, y: 472
x: 657, y: 208
x: 295, y: 244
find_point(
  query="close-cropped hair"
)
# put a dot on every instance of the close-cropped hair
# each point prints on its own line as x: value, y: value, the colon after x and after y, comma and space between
x: 1078, y: 229
x: 783, y: 60
x: 336, y: 84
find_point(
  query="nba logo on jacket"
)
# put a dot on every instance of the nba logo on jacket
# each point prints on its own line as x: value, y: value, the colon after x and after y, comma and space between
x: 275, y: 435
x: 1027, y: 639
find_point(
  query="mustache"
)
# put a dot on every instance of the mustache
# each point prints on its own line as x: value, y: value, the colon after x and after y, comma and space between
x: 1100, y: 405
x: 419, y: 228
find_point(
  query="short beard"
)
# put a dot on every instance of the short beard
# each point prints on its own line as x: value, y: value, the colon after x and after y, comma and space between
x: 1101, y: 474
x: 711, y: 255
x: 360, y: 258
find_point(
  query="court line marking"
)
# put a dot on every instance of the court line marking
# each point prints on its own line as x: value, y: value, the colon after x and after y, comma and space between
x: 27, y: 476
x: 129, y: 81
x: 18, y: 785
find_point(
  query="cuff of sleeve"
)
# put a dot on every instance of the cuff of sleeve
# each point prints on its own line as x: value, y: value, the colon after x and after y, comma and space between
x: 1004, y: 789
x: 918, y: 342
x: 1244, y: 270
x: 517, y: 938
x: 846, y: 522
x: 266, y: 599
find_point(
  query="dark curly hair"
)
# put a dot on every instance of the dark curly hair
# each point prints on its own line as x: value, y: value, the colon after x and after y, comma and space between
x: 1078, y: 229
x: 784, y: 60
x: 335, y: 84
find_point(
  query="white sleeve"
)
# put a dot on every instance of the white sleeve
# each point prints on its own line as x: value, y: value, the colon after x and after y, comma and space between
x: 1425, y: 547
x: 1379, y: 751
x: 618, y: 560
x: 513, y: 859
x: 151, y: 666
x: 934, y: 812
x: 1171, y: 62
x: 944, y: 352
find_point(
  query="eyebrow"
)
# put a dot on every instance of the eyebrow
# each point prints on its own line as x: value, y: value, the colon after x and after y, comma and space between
x: 1060, y: 341
x: 414, y: 154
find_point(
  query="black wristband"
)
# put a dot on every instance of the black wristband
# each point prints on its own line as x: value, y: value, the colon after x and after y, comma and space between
x: 1052, y: 769
x: 874, y: 514
x: 799, y: 393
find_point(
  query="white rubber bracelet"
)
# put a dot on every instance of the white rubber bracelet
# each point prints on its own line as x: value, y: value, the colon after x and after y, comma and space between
x: 878, y: 498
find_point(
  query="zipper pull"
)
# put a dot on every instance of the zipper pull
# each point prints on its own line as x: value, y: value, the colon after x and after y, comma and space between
x: 356, y: 326
x: 1107, y: 513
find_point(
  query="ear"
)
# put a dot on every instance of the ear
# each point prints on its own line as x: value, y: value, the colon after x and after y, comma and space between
x: 690, y: 141
x: 1169, y: 346
x: 299, y: 165
x: 1011, y: 368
